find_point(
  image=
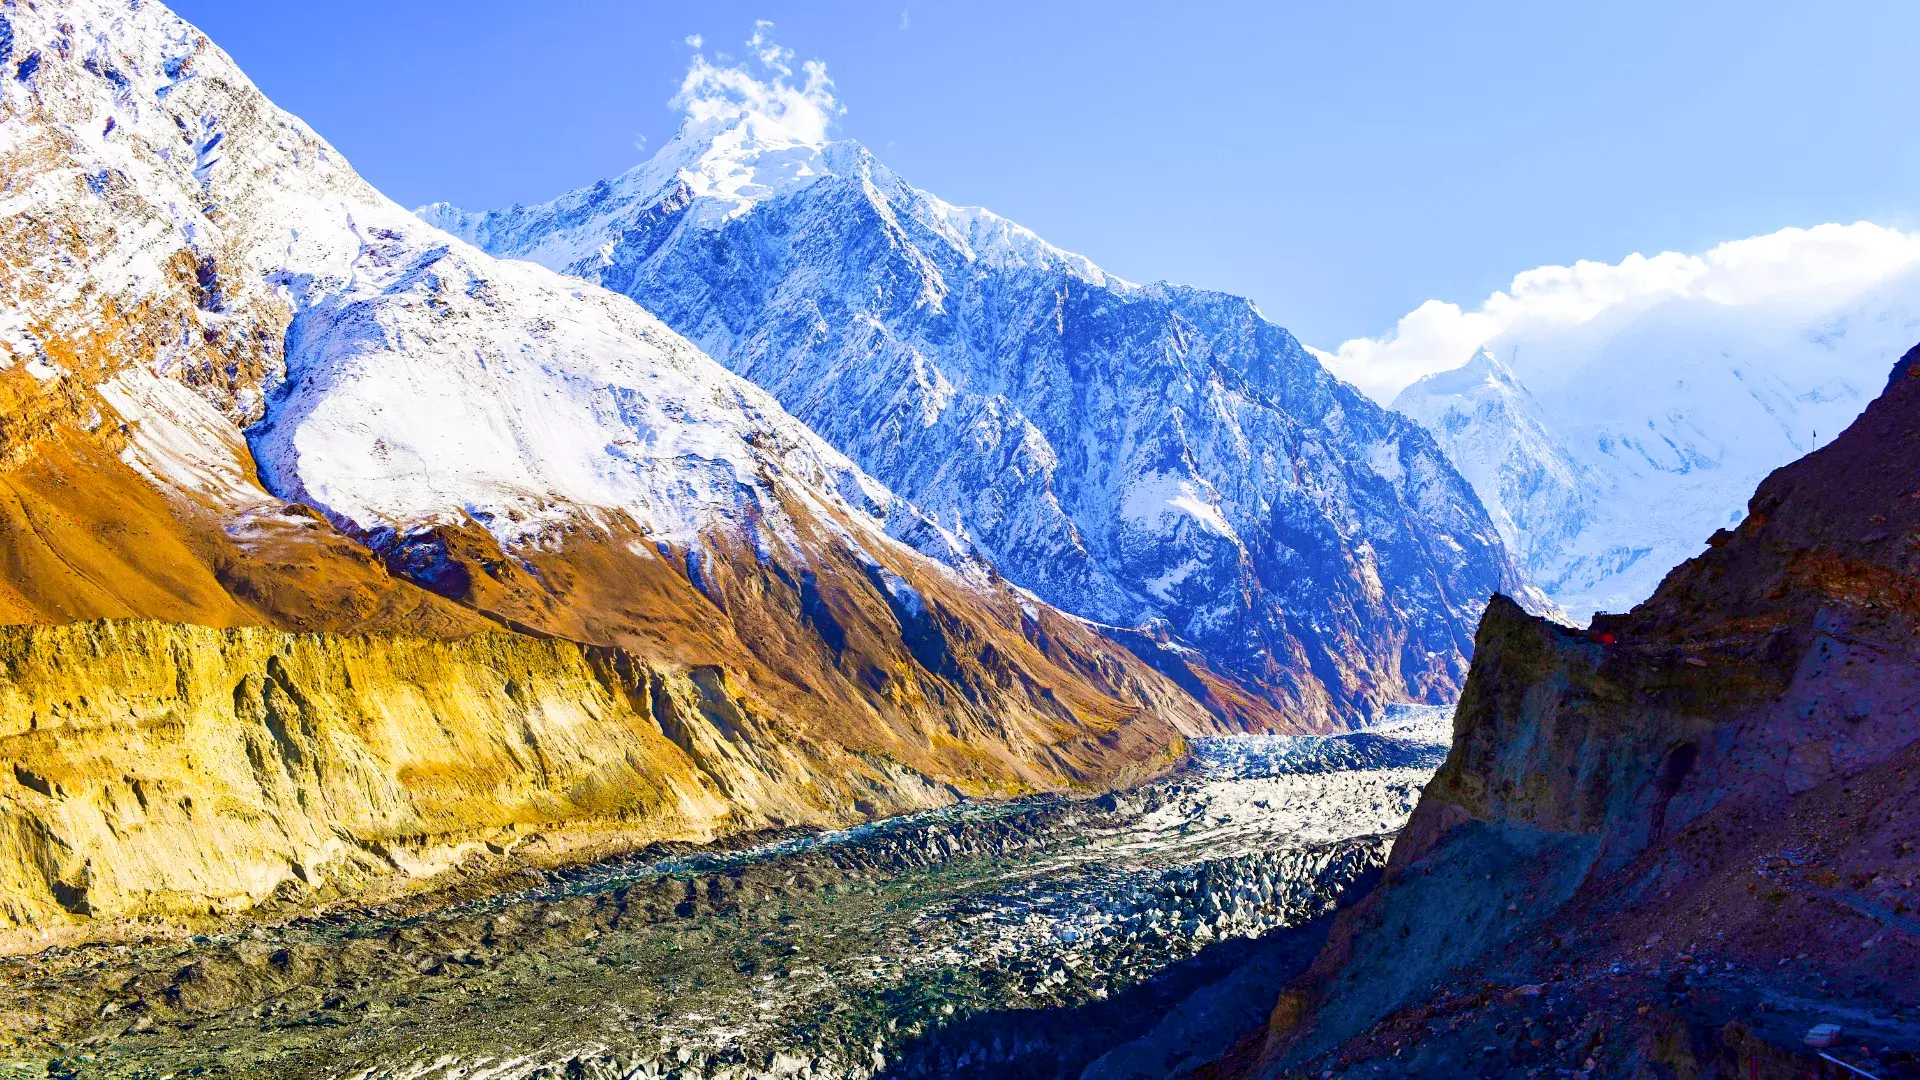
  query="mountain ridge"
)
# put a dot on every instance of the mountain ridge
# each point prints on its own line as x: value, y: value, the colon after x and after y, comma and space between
x: 1142, y: 455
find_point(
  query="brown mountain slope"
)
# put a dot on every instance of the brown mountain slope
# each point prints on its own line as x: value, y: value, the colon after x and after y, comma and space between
x: 1673, y: 844
x: 787, y: 663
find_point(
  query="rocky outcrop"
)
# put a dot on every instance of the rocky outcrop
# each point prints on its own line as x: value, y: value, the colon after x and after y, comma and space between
x: 1676, y: 841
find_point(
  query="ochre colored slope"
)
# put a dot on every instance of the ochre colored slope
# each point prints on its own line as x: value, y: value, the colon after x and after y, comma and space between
x: 183, y: 771
x: 84, y: 536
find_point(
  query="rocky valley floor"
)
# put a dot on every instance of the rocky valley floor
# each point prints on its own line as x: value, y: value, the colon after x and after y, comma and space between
x: 1133, y: 935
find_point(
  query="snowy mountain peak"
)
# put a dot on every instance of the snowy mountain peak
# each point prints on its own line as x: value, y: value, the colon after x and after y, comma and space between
x: 1497, y: 436
x: 1140, y: 455
x: 1485, y: 370
x: 737, y: 161
x: 722, y: 167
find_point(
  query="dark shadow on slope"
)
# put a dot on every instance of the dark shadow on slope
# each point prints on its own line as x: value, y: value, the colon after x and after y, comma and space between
x: 1232, y: 985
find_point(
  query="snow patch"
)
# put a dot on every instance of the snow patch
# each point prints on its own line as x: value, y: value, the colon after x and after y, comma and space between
x: 1156, y: 496
x: 179, y: 441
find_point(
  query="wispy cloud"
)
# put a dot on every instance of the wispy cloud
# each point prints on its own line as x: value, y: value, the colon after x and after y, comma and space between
x: 764, y: 83
x: 695, y: 40
x: 1802, y: 267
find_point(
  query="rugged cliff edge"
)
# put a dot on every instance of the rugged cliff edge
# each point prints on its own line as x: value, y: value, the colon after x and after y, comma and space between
x: 1674, y: 843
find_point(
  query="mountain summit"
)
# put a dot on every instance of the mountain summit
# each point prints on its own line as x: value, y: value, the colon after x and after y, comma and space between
x: 1150, y: 456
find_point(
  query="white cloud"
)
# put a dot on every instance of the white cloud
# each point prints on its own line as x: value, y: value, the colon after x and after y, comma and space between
x: 695, y: 40
x: 1797, y: 268
x: 806, y: 106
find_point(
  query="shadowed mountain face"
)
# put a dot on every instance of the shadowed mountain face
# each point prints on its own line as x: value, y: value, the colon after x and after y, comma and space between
x: 1145, y: 456
x: 1673, y: 844
x: 241, y: 389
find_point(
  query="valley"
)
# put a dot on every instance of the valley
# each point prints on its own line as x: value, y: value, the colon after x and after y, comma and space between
x: 1137, y: 933
x: 752, y: 618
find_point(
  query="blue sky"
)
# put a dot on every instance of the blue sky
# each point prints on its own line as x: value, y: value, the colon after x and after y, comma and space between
x: 1339, y: 163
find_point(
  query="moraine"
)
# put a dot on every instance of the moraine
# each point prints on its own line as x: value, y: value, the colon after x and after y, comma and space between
x: 1039, y: 937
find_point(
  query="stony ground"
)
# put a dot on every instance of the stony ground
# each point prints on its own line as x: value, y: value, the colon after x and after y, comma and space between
x: 1132, y: 935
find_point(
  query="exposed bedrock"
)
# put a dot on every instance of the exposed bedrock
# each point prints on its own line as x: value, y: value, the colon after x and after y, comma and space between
x: 188, y: 773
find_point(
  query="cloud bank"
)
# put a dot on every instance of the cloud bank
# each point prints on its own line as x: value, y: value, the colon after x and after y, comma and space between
x: 1793, y: 268
x: 763, y: 83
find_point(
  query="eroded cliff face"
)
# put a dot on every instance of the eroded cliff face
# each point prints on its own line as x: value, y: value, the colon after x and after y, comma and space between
x: 169, y: 770
x: 180, y: 772
x: 1689, y: 829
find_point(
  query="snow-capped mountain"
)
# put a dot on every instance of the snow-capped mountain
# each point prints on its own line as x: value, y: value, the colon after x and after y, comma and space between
x: 240, y: 387
x: 1538, y: 495
x: 1152, y: 456
x: 1610, y: 449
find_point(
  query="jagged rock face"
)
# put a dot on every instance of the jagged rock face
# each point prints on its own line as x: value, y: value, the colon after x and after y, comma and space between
x: 1729, y: 770
x: 1155, y: 456
x: 241, y: 388
x: 1606, y: 451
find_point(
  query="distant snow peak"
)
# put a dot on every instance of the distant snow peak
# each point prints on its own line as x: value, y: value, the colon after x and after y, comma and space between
x: 1800, y: 269
x: 763, y: 86
x: 1609, y: 442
